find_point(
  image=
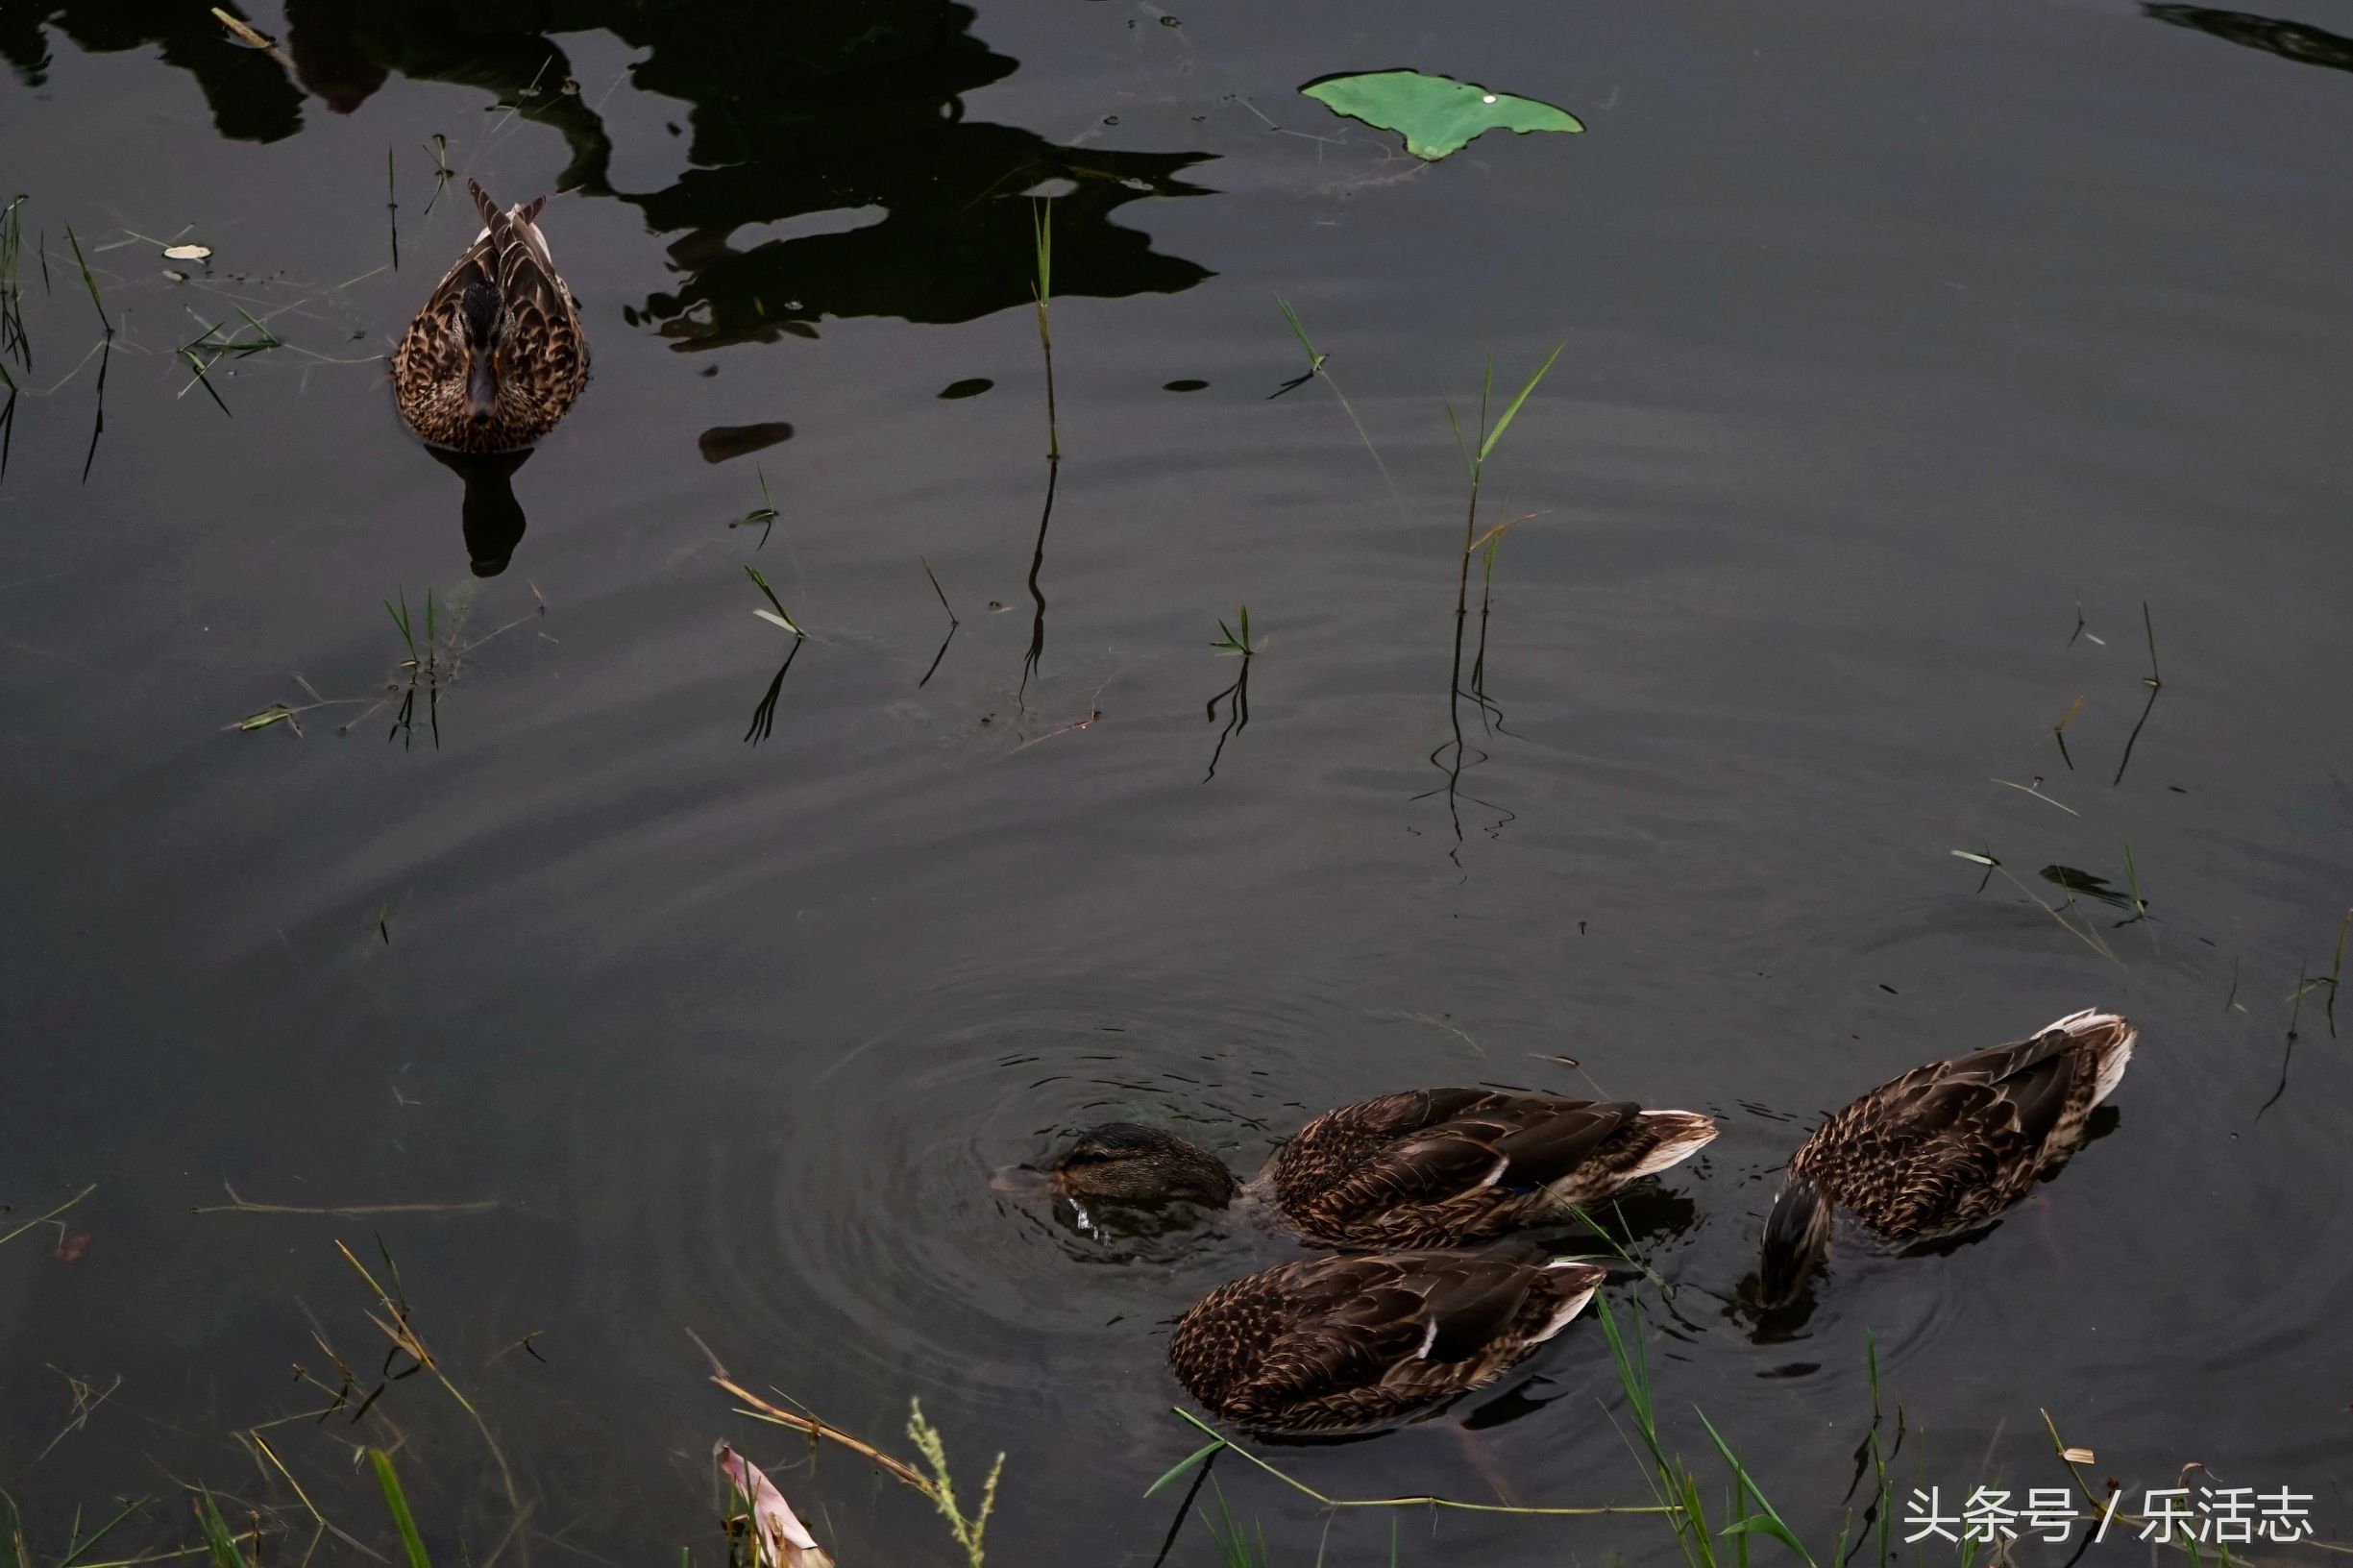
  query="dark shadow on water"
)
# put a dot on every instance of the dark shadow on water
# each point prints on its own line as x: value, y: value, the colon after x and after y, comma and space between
x: 2289, y: 40
x: 721, y: 442
x: 492, y: 517
x: 764, y: 714
x: 1037, y: 593
x: 248, y: 91
x: 791, y: 109
x: 1237, y: 698
x: 1511, y: 1405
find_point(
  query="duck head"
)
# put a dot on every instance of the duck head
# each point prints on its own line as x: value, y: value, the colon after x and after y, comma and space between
x: 1122, y: 1162
x: 1797, y: 1233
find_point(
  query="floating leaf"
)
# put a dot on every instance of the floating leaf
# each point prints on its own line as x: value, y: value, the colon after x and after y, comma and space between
x: 277, y: 713
x: 186, y: 253
x: 781, y: 1540
x: 2084, y: 882
x: 971, y: 386
x: 1436, y: 114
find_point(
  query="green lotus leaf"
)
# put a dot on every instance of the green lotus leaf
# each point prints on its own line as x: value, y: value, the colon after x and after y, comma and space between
x: 1436, y: 114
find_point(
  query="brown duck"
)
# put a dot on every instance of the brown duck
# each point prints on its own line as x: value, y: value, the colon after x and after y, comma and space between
x: 497, y: 354
x: 1947, y: 1146
x: 1335, y: 1343
x: 1429, y: 1167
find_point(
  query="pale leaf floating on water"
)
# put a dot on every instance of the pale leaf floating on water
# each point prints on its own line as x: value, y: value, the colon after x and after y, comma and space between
x: 186, y: 253
x: 783, y: 1540
x: 1436, y: 114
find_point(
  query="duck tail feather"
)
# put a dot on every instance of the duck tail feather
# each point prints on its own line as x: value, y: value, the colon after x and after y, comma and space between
x: 1570, y: 1293
x: 2109, y: 1038
x: 1679, y: 1135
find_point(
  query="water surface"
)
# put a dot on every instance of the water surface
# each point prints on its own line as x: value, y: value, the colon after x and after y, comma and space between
x: 1909, y: 354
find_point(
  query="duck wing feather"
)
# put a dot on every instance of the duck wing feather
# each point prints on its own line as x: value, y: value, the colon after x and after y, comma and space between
x: 1429, y: 1146
x: 1358, y: 1332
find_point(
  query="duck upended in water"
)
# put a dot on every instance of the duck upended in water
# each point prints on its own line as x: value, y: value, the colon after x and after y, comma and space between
x: 1429, y: 1167
x: 497, y: 354
x: 1947, y: 1146
x: 1332, y: 1344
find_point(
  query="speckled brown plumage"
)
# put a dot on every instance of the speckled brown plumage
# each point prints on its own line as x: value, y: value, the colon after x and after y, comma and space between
x: 1433, y: 1167
x: 1335, y: 1343
x: 541, y: 355
x: 1950, y: 1145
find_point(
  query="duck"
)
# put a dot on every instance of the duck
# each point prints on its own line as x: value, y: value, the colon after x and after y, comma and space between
x: 496, y: 356
x: 1422, y: 1168
x: 1345, y: 1341
x: 1946, y: 1147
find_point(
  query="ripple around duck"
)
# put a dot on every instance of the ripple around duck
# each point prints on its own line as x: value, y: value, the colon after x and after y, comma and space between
x: 847, y: 1240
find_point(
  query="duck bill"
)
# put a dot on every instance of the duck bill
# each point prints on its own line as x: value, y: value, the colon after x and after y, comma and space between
x: 1025, y: 1180
x: 482, y: 386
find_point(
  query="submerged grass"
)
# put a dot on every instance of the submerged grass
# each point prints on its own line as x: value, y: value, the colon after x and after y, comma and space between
x: 762, y: 516
x: 1319, y: 368
x: 1041, y: 290
x: 952, y: 625
x: 397, y: 1503
x: 1475, y: 452
x: 1236, y: 697
x: 2084, y: 932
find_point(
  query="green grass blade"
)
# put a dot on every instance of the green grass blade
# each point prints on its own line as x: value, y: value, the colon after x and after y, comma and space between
x: 1486, y: 443
x: 398, y: 1502
x: 14, y: 1552
x: 1315, y: 362
x: 89, y: 280
x: 1769, y: 1520
x: 82, y: 1544
x: 1041, y: 236
x: 1184, y: 1464
x: 1469, y: 465
x: 783, y: 617
x: 219, y: 1545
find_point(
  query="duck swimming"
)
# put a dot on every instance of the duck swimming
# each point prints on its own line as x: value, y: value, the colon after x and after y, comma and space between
x: 1335, y: 1343
x: 497, y: 354
x: 1429, y: 1167
x: 1947, y: 1146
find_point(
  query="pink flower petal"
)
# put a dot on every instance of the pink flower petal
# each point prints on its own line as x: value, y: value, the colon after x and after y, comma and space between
x: 785, y: 1541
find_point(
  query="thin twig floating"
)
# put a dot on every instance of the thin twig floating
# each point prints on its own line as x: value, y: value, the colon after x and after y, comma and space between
x: 2107, y: 1509
x: 814, y: 1429
x: 251, y: 36
x: 2154, y: 683
x: 43, y: 1219
x: 238, y: 1203
x: 1220, y: 1442
x: 2058, y: 731
x: 2029, y: 789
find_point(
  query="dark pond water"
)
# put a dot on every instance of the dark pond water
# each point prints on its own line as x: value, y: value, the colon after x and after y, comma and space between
x: 1911, y: 352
